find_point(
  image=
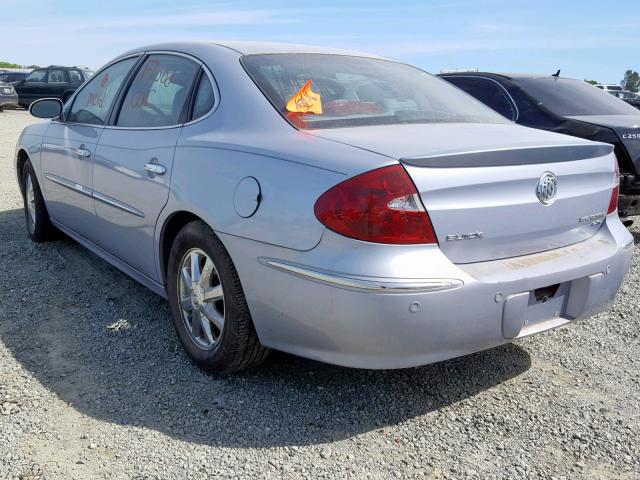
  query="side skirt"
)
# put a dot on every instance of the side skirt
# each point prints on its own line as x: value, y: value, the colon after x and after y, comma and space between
x: 115, y: 261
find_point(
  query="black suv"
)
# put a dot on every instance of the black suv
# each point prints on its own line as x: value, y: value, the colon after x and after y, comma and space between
x: 565, y: 105
x: 50, y: 82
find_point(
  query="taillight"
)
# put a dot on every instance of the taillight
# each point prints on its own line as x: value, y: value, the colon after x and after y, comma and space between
x: 613, y: 203
x: 381, y: 206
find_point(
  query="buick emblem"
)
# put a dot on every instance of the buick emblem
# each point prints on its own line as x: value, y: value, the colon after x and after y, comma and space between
x: 547, y: 188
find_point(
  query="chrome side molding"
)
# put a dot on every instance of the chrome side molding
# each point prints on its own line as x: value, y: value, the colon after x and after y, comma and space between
x: 374, y: 285
x: 76, y: 187
x: 117, y: 204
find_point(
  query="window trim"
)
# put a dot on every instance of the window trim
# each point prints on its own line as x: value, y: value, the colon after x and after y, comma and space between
x: 82, y: 78
x: 491, y: 80
x: 182, y: 122
x: 216, y: 97
x: 65, y: 76
x: 194, y: 94
x: 122, y: 92
x: 66, y: 113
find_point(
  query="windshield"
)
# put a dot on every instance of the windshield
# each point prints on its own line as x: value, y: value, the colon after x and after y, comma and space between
x: 330, y: 91
x: 568, y: 97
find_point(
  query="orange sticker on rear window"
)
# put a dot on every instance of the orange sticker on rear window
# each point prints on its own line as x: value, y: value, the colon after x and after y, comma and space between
x: 305, y: 101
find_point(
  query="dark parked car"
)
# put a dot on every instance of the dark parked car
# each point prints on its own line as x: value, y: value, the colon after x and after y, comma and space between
x: 631, y: 98
x: 50, y: 82
x: 569, y: 106
x: 8, y: 96
x: 11, y: 77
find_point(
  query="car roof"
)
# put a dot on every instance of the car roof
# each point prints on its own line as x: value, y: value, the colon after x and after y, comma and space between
x: 67, y: 67
x: 508, y: 76
x: 250, y: 48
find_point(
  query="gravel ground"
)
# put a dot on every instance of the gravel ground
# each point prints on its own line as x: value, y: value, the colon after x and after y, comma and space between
x: 93, y: 384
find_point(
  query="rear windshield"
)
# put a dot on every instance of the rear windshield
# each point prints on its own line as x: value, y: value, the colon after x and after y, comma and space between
x: 332, y: 91
x: 568, y: 97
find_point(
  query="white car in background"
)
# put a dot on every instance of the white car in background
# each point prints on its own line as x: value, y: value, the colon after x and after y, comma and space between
x: 610, y: 88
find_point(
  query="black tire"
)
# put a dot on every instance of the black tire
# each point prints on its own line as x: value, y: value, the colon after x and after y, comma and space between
x: 40, y: 229
x: 238, y: 347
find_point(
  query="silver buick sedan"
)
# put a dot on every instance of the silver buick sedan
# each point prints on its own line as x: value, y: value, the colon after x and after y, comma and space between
x: 336, y: 205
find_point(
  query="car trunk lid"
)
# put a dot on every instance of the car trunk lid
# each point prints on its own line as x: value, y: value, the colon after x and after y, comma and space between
x: 481, y: 192
x: 626, y: 127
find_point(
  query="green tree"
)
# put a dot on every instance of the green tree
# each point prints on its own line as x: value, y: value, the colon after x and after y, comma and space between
x: 9, y: 65
x: 592, y: 82
x: 33, y: 66
x: 631, y: 81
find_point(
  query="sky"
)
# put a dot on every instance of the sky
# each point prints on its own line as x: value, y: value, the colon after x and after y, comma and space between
x: 585, y: 39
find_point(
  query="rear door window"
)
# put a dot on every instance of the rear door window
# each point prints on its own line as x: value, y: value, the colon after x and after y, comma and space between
x: 75, y: 76
x: 489, y: 92
x: 56, y: 75
x: 158, y: 93
x: 94, y: 101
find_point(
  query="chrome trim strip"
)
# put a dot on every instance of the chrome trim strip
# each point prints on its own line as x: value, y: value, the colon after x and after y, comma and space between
x: 76, y: 187
x: 385, y: 285
x: 117, y: 204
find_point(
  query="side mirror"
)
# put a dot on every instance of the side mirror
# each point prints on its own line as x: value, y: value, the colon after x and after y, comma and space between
x: 46, y: 108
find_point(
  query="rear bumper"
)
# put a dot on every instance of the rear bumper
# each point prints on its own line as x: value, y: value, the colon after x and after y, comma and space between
x: 407, y: 306
x: 9, y: 100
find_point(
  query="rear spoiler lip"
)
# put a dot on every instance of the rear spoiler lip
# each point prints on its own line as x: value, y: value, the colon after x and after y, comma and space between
x: 528, y: 155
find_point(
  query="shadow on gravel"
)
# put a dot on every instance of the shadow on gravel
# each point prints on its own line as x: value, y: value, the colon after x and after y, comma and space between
x: 105, y: 345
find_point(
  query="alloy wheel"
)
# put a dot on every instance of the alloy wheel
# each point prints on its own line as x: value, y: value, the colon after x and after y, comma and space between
x: 31, y: 204
x: 201, y: 299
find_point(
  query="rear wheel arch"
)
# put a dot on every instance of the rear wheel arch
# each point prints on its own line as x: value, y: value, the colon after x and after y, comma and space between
x: 21, y: 160
x: 172, y: 225
x: 233, y: 344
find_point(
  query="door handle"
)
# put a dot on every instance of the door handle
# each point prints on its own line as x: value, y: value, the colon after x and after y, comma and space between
x: 155, y: 169
x: 82, y: 152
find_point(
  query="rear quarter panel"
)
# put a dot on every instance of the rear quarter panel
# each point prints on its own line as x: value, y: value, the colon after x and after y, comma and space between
x: 204, y: 181
x: 246, y: 137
